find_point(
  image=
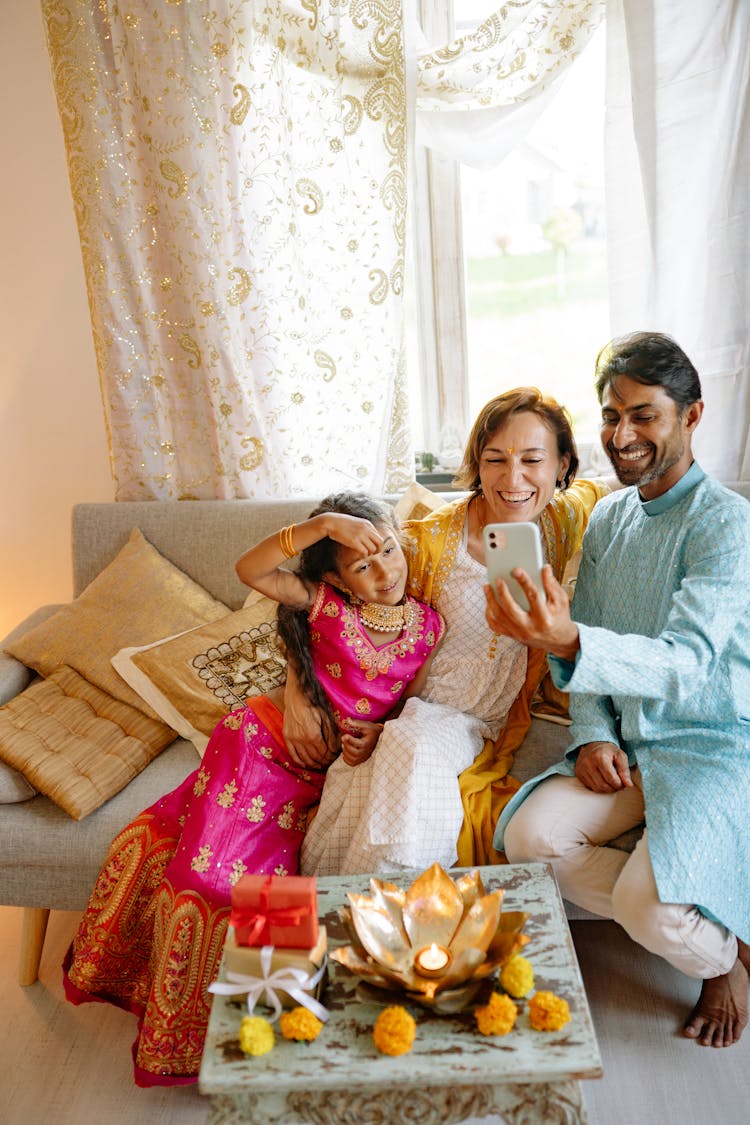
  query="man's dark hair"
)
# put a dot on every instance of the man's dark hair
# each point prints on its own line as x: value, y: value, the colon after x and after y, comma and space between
x: 650, y: 358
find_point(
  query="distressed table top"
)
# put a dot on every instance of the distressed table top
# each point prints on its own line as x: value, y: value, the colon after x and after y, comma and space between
x: 447, y: 1048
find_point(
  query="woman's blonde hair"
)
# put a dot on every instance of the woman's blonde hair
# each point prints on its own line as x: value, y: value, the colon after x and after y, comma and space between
x: 521, y: 400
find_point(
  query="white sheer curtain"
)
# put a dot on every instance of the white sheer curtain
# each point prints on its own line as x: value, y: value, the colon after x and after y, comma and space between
x: 238, y: 174
x: 477, y: 97
x: 678, y: 188
x: 239, y: 177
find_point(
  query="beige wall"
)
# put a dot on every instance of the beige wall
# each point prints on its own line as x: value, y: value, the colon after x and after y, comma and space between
x: 53, y: 448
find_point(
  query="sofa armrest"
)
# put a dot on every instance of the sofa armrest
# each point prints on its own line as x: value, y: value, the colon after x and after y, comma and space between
x: 15, y: 676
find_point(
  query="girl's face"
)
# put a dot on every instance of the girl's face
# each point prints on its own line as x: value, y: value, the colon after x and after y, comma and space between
x: 519, y: 469
x: 377, y: 578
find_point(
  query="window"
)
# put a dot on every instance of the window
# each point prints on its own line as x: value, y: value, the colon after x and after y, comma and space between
x: 509, y: 283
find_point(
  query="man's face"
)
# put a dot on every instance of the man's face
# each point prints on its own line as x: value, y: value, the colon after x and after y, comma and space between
x: 646, y: 437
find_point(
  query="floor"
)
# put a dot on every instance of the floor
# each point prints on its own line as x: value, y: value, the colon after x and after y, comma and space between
x: 63, y: 1065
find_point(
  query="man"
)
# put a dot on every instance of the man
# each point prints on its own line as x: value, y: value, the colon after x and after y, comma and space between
x: 657, y: 662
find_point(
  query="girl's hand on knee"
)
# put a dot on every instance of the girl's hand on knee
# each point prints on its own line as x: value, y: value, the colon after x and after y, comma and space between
x: 358, y: 744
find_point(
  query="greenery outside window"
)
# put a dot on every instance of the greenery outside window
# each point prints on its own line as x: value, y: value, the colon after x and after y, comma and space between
x: 508, y: 284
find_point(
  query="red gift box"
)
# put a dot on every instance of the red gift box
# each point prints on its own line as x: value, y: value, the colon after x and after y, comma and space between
x: 277, y: 910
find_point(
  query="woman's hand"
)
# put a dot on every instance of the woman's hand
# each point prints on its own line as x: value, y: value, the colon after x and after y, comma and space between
x: 359, y: 742
x: 603, y: 767
x: 547, y: 624
x: 303, y: 727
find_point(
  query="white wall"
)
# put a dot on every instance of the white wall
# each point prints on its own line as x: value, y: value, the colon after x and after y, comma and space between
x: 53, y: 447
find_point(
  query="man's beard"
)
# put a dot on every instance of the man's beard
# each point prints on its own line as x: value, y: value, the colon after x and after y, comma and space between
x: 656, y: 469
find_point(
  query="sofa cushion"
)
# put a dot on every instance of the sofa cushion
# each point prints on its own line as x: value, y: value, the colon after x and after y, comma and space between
x: 194, y: 679
x: 75, y: 743
x: 13, y: 786
x: 138, y: 598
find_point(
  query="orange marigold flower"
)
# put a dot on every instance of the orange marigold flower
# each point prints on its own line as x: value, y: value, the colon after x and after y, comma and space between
x: 517, y: 977
x: 300, y: 1024
x: 548, y: 1012
x: 497, y: 1016
x: 394, y: 1031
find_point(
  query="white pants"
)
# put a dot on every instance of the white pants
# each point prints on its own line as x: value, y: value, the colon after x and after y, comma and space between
x: 563, y: 823
x: 402, y: 807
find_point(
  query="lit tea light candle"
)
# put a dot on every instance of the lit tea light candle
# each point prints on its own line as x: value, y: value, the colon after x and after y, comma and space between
x: 432, y: 961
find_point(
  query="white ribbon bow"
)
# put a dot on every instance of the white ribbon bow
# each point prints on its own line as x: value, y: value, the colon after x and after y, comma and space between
x: 295, y: 982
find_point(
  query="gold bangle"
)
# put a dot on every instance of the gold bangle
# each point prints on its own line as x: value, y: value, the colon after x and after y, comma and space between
x: 285, y: 542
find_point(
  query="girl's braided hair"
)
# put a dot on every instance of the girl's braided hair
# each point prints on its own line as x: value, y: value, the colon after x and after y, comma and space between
x: 314, y: 563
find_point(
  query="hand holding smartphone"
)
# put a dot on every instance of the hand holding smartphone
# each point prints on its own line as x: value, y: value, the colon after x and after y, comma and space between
x: 508, y: 545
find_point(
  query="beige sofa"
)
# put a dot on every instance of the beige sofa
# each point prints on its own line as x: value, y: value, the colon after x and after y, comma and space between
x: 50, y: 860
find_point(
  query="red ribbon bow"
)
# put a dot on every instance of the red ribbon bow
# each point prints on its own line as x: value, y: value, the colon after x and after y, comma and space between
x: 260, y: 919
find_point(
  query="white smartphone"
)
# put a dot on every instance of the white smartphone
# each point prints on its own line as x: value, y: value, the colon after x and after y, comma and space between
x: 508, y: 545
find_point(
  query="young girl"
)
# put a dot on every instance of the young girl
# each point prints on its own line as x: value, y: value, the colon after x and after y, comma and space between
x: 152, y: 935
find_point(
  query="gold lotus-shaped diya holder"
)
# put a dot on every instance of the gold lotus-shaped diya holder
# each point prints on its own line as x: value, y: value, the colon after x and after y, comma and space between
x: 438, y: 941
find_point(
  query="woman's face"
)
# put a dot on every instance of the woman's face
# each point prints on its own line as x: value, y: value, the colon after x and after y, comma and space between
x: 519, y: 469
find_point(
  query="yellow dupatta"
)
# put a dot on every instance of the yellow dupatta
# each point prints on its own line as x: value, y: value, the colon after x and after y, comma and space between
x: 432, y: 542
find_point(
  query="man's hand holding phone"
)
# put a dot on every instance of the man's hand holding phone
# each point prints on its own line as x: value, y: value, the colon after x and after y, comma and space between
x: 544, y: 620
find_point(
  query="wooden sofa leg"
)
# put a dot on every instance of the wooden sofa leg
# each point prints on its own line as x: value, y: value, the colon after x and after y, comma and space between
x: 32, y: 943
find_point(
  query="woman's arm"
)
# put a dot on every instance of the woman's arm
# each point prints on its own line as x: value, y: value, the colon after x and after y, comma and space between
x: 304, y: 727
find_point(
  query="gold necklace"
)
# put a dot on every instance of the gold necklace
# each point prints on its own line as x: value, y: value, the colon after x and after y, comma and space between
x: 385, y: 618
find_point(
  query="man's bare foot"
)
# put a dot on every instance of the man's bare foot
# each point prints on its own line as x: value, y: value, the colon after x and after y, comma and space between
x: 720, y: 1015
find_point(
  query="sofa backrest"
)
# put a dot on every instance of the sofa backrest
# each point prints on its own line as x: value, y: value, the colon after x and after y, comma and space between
x: 204, y: 538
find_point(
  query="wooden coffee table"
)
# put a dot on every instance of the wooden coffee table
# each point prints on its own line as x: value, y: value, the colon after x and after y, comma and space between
x: 452, y: 1072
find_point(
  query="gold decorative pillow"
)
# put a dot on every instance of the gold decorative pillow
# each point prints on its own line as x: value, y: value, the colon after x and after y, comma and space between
x: 75, y: 743
x: 194, y: 679
x: 138, y: 598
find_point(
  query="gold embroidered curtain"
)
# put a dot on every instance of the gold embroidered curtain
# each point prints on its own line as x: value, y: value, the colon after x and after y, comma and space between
x: 238, y: 172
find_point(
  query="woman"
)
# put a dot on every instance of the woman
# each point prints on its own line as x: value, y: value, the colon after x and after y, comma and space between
x: 407, y: 806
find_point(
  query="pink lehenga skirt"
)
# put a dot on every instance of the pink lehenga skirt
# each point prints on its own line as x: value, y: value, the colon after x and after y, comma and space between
x: 152, y: 935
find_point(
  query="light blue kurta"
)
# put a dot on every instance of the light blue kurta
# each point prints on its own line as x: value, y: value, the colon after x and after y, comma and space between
x: 663, y: 606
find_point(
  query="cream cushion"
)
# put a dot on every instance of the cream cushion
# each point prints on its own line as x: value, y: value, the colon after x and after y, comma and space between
x: 137, y: 599
x: 194, y: 679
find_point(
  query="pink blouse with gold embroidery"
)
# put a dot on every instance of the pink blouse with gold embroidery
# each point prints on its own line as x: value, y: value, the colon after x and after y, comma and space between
x: 362, y: 679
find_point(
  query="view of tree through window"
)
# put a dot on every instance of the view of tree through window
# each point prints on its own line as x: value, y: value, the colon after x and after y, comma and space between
x: 537, y: 309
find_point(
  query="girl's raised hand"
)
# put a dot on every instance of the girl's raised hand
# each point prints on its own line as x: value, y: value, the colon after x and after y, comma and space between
x: 547, y: 624
x: 351, y: 531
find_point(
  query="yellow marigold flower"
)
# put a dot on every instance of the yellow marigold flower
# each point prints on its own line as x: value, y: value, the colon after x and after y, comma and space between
x: 497, y: 1016
x: 300, y: 1024
x: 256, y: 1036
x: 517, y: 977
x: 548, y: 1012
x: 394, y: 1031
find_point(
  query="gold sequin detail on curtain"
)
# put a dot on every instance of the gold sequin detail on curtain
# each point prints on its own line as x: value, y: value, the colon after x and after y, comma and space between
x: 238, y: 175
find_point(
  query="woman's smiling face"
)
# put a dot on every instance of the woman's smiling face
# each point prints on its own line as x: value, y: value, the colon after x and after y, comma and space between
x: 519, y: 468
